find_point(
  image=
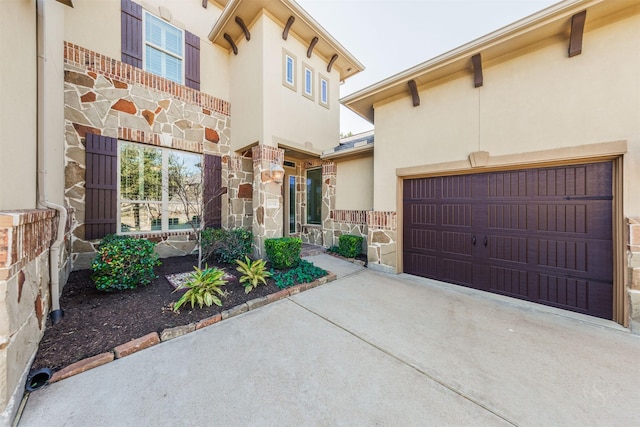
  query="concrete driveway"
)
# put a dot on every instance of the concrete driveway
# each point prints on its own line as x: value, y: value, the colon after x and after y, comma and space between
x: 367, y: 349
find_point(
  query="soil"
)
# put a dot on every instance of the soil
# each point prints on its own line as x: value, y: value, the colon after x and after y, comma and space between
x: 95, y: 322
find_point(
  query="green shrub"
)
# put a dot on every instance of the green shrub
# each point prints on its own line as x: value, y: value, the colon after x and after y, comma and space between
x: 305, y: 272
x: 204, y: 288
x: 123, y: 262
x: 253, y: 272
x: 350, y: 246
x: 283, y: 252
x: 226, y: 246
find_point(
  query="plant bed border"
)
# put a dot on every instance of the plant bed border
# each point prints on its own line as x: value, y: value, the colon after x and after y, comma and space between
x: 167, y: 334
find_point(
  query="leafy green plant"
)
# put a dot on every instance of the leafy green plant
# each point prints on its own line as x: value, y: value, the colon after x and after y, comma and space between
x: 350, y: 246
x: 204, y: 288
x: 253, y: 272
x: 283, y: 252
x: 305, y: 272
x: 123, y: 262
x: 226, y: 246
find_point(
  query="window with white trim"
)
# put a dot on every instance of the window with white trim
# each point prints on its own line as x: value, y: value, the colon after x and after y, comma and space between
x: 288, y: 70
x: 163, y: 48
x: 308, y: 82
x: 323, y: 98
x: 159, y: 189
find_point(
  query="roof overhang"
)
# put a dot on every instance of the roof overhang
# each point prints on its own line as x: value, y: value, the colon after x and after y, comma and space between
x: 538, y: 30
x: 305, y: 28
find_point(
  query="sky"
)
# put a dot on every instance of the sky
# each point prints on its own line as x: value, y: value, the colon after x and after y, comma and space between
x: 390, y: 36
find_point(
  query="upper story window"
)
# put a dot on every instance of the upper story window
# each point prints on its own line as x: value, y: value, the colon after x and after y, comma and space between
x: 324, y: 92
x: 288, y: 70
x: 163, y: 48
x: 308, y: 82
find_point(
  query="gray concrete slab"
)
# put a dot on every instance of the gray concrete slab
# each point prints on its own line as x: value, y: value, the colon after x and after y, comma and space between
x: 369, y: 348
x: 335, y: 265
x: 281, y: 365
x: 530, y: 365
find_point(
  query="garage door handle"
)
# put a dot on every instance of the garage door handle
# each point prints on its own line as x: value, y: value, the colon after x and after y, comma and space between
x: 486, y: 241
x: 473, y: 240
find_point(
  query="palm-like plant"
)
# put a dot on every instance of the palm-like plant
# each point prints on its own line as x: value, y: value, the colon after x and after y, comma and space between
x: 204, y: 288
x: 253, y: 272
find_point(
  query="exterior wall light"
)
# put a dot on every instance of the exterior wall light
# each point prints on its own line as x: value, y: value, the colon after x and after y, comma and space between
x: 277, y: 173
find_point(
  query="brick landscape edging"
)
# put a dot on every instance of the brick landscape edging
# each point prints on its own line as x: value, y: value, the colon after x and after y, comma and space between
x: 154, y: 338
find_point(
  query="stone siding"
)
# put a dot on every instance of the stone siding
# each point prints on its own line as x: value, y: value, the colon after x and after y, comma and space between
x: 382, y: 237
x: 633, y: 273
x: 107, y: 97
x: 239, y: 211
x: 267, y: 196
x: 352, y: 222
x: 25, y: 238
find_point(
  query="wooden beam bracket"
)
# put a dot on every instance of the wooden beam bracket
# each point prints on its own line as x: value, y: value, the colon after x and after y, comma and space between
x: 287, y: 27
x: 228, y: 38
x: 245, y: 30
x: 413, y: 88
x: 478, y: 80
x: 333, y: 59
x: 311, y: 46
x: 205, y: 3
x: 577, y: 31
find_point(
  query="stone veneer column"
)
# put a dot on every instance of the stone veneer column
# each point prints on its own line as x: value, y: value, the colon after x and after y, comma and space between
x: 240, y: 193
x: 267, y: 196
x: 382, y: 237
x: 633, y: 273
x: 328, y: 202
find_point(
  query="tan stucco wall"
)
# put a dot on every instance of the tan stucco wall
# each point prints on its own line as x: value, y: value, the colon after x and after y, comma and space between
x: 18, y: 105
x: 82, y: 28
x: 540, y: 101
x: 246, y: 89
x: 289, y: 115
x: 354, y: 184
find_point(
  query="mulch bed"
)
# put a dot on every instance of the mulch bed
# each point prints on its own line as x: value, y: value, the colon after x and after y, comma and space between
x: 95, y: 322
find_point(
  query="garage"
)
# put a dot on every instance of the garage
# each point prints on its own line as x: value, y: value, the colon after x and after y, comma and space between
x: 543, y: 235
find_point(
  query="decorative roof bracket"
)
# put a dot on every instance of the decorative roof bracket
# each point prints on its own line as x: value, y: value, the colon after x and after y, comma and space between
x: 476, y: 60
x: 577, y: 30
x: 245, y: 30
x: 205, y: 3
x: 228, y: 38
x: 333, y: 59
x: 311, y: 46
x: 287, y: 27
x: 413, y: 88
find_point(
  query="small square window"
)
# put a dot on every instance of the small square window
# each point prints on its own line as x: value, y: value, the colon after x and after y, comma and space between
x: 288, y: 70
x: 323, y: 99
x: 308, y: 82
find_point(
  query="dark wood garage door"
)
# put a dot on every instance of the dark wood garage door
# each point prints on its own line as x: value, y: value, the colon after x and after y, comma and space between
x: 543, y: 235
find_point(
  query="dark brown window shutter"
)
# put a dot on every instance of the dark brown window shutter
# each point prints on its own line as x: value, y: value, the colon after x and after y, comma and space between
x: 212, y: 191
x: 191, y: 60
x: 101, y: 184
x: 131, y: 33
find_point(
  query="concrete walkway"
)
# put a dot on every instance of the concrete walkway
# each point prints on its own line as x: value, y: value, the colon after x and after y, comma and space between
x: 367, y: 349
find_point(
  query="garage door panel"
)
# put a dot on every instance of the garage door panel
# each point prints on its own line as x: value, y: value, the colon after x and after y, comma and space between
x: 544, y: 235
x: 509, y: 281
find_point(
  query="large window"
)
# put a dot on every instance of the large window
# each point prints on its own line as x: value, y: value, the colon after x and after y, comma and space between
x: 160, y: 189
x: 314, y: 196
x: 163, y: 48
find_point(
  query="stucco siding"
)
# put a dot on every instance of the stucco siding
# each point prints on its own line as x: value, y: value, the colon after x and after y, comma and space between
x: 542, y: 100
x: 354, y: 184
x: 18, y: 105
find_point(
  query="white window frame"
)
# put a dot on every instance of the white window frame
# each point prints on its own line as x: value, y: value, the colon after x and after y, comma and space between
x: 164, y: 203
x: 286, y: 57
x: 307, y: 81
x: 324, y: 102
x: 145, y: 15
